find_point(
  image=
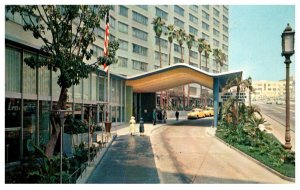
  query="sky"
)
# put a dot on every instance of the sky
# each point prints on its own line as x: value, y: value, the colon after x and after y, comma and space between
x: 255, y: 40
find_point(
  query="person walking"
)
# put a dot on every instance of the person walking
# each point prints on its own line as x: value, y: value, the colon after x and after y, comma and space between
x: 154, y: 116
x: 132, y: 125
x: 164, y: 116
x: 177, y: 114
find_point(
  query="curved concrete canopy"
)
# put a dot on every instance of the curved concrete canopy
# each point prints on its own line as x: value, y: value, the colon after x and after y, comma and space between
x: 176, y: 75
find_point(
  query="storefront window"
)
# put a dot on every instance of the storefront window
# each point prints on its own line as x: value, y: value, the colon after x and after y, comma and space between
x: 86, y: 88
x: 12, y: 70
x: 94, y: 87
x: 44, y: 122
x: 118, y: 114
x: 29, y: 125
x: 113, y: 91
x: 12, y: 129
x: 29, y: 76
x: 44, y: 81
x: 113, y: 114
x: 55, y: 86
x: 118, y: 92
x: 101, y: 88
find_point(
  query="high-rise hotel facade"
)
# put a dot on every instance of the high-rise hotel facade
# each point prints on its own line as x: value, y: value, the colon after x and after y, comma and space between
x: 30, y: 93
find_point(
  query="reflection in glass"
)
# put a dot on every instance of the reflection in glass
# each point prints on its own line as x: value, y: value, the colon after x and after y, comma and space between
x: 29, y: 125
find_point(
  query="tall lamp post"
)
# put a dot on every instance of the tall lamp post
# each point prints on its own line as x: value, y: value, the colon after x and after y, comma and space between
x: 288, y: 38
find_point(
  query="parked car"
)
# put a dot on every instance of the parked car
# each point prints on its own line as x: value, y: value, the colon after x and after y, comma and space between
x: 209, y: 111
x: 195, y: 114
x: 279, y: 102
x: 269, y: 101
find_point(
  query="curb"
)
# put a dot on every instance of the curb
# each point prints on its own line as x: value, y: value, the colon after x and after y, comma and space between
x: 90, y: 169
x: 258, y: 162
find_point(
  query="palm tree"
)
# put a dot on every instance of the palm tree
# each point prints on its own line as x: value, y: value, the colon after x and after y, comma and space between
x: 158, y: 24
x: 171, y: 35
x: 207, y: 51
x: 220, y: 57
x: 239, y: 84
x: 201, y: 47
x: 181, y: 38
x: 190, y: 39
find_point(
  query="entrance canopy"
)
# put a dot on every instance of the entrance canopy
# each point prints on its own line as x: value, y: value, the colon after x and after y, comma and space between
x: 177, y: 75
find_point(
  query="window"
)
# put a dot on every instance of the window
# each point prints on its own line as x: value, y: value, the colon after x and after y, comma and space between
x: 145, y: 7
x: 216, y: 12
x: 193, y: 30
x: 179, y: 10
x: 44, y: 81
x: 225, y: 10
x: 205, y: 36
x: 123, y: 44
x: 177, y: 48
x: 12, y: 70
x: 100, y: 32
x: 205, y: 15
x: 87, y: 88
x: 112, y: 22
x: 193, y: 64
x: 225, y: 47
x: 225, y: 19
x: 164, y: 57
x: 216, y: 43
x: 225, y: 28
x: 194, y: 8
x: 139, y: 34
x: 193, y: 90
x: 138, y: 65
x: 123, y: 11
x: 178, y: 23
x: 163, y: 42
x: 206, y: 6
x: 193, y: 54
x: 205, y: 26
x: 139, y: 18
x: 122, y: 61
x: 177, y: 60
x: 225, y: 38
x: 161, y: 13
x: 216, y: 33
x: 216, y: 22
x: 139, y: 49
x: 29, y: 124
x: 98, y: 51
x: 29, y: 76
x: 123, y: 27
x: 193, y: 19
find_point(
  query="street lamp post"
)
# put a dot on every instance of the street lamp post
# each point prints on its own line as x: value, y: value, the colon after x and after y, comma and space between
x: 288, y: 37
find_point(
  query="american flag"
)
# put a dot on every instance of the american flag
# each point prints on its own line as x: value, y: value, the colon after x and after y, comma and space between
x: 106, y: 39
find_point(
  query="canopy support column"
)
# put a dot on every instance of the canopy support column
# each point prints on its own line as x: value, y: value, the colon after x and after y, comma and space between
x: 216, y: 87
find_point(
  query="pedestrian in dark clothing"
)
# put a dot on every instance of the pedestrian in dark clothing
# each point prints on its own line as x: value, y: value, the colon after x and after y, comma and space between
x: 154, y: 116
x: 164, y: 116
x: 177, y: 114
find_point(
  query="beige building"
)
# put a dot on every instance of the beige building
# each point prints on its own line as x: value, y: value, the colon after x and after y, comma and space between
x: 272, y: 89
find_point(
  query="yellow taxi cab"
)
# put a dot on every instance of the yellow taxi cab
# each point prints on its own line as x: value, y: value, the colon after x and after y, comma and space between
x: 195, y: 113
x: 209, y: 111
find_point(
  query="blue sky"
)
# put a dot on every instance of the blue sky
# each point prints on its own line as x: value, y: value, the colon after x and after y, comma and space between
x: 255, y: 40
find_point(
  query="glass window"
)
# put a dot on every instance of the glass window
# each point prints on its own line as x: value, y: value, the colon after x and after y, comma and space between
x: 78, y: 111
x: 138, y: 65
x: 193, y: 54
x: 225, y: 19
x: 161, y: 13
x: 29, y: 125
x: 12, y: 70
x: 78, y: 90
x: 164, y: 57
x: 216, y: 22
x: 206, y: 6
x: 193, y: 19
x: 205, y: 15
x: 205, y: 26
x: 163, y: 42
x: 178, y: 23
x: 94, y: 86
x: 123, y: 11
x: 225, y: 47
x: 225, y: 10
x: 205, y: 36
x: 225, y: 38
x: 216, y: 43
x: 113, y: 114
x: 118, y: 91
x: 55, y: 86
x: 123, y: 27
x: 225, y: 28
x: 29, y: 76
x: 139, y: 34
x: 139, y: 18
x: 123, y: 62
x: 44, y: 81
x: 177, y: 60
x: 123, y: 44
x: 194, y: 8
x: 216, y: 32
x: 216, y: 12
x: 113, y: 91
x: 139, y: 49
x: 112, y: 22
x: 177, y: 48
x: 87, y: 88
x: 145, y: 7
x: 44, y: 122
x: 101, y: 88
x: 12, y: 113
x: 179, y: 10
x: 193, y: 30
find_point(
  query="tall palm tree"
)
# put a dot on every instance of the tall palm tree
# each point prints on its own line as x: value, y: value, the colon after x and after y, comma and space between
x: 223, y: 59
x: 158, y: 24
x: 171, y: 35
x: 239, y: 84
x: 201, y: 47
x: 220, y: 57
x: 190, y: 39
x: 207, y: 52
x: 181, y: 38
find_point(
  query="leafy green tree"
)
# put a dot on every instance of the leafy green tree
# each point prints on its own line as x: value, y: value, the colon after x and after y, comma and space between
x: 66, y: 45
x: 201, y: 47
x: 171, y: 35
x: 190, y: 39
x: 158, y: 24
x: 207, y: 51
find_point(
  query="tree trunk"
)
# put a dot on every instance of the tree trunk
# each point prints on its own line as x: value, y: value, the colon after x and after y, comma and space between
x: 159, y: 52
x: 181, y: 54
x: 61, y: 105
x: 170, y: 53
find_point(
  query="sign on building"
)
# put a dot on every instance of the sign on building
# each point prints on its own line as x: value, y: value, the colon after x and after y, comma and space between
x: 241, y: 96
